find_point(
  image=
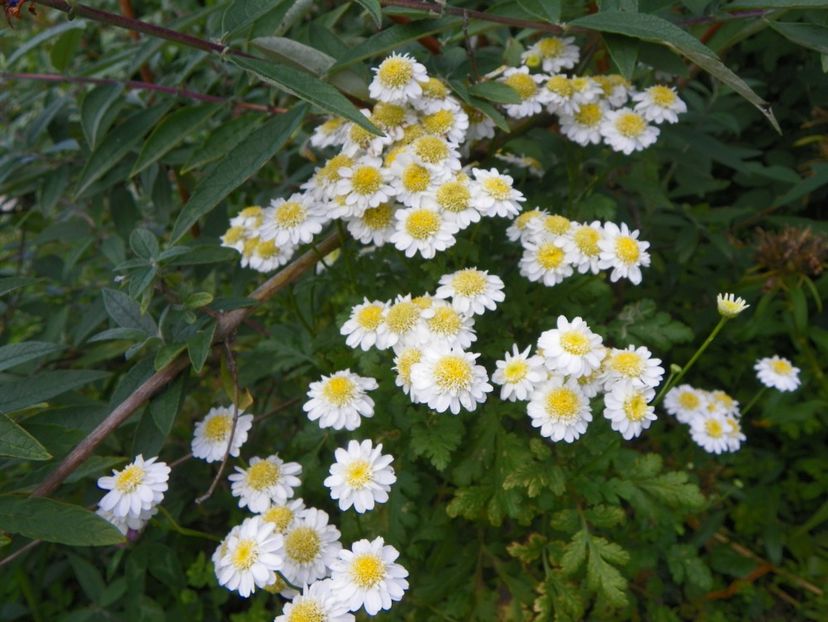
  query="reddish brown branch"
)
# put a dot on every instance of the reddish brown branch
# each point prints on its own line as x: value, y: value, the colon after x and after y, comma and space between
x: 128, y: 11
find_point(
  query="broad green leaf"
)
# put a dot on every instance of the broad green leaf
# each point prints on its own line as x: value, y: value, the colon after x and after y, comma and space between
x: 117, y: 144
x: 243, y: 161
x: 45, y: 35
x: 198, y: 346
x: 624, y: 53
x: 11, y: 283
x: 63, y: 51
x: 305, y: 86
x: 16, y: 354
x: 98, y: 111
x: 241, y: 13
x: 659, y: 30
x: 196, y: 255
x: 776, y: 4
x: 497, y: 92
x: 491, y: 112
x: 167, y: 354
x: 222, y: 140
x: 548, y: 10
x: 126, y: 312
x: 24, y: 392
x: 130, y: 334
x: 143, y: 243
x: 295, y: 53
x: 172, y: 130
x: 374, y: 10
x: 15, y: 442
x: 54, y: 521
x: 165, y: 407
x: 811, y: 36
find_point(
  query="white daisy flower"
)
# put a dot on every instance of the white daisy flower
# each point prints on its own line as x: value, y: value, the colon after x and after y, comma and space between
x: 634, y: 366
x: 560, y: 409
x: 584, y: 126
x: 284, y: 516
x: 403, y: 360
x: 250, y: 217
x: 622, y: 251
x: 412, y: 181
x: 735, y: 436
x: 125, y: 523
x: 472, y: 291
x: 309, y: 547
x: 526, y: 87
x: 340, y: 400
x: 367, y: 576
x: 546, y: 262
x: 366, y: 183
x: 450, y: 327
x: 627, y: 131
x: 322, y: 184
x: 628, y: 409
x: 398, y: 79
x: 375, y: 225
x: 592, y: 384
x: 250, y: 557
x: 235, y: 238
x: 521, y: 228
x: 265, y: 482
x: 729, y: 305
x: 685, y: 403
x: 452, y: 198
x: 725, y: 403
x: 549, y: 228
x: 404, y: 323
x: 361, y: 328
x: 135, y: 489
x: 212, y: 434
x: 493, y: 194
x: 450, y: 123
x: 360, y: 142
x: 435, y: 96
x: 572, y: 349
x: 437, y: 155
x: 582, y: 246
x: 659, y: 104
x: 329, y: 134
x: 316, y: 603
x: 615, y: 89
x: 448, y: 379
x: 424, y: 231
x: 266, y: 255
x: 480, y: 126
x: 710, y: 433
x: 554, y: 53
x: 519, y: 374
x: 777, y: 373
x: 361, y: 476
x: 291, y: 221
x: 559, y: 95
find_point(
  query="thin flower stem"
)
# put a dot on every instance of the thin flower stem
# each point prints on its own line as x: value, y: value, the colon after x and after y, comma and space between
x: 755, y: 399
x: 677, y: 378
x: 184, y: 531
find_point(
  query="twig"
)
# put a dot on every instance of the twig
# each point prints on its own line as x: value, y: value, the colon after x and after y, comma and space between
x: 20, y: 552
x: 128, y: 11
x: 141, y: 86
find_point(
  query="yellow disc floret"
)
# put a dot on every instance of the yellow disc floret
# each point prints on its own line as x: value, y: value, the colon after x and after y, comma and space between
x: 515, y: 370
x: 280, y: 515
x: 402, y: 317
x: 358, y: 474
x: 263, y: 474
x: 290, y: 214
x: 562, y: 404
x: 523, y: 83
x: 302, y: 545
x: 630, y: 124
x: 217, y: 428
x: 782, y: 367
x: 339, y: 390
x: 452, y: 373
x: 370, y: 317
x: 575, y: 342
x: 497, y: 187
x: 439, y: 122
x: 627, y: 249
x: 245, y: 554
x: 129, y: 479
x: 307, y: 611
x: 550, y: 256
x: 415, y: 178
x: 454, y: 196
x: 589, y: 115
x: 627, y: 363
x: 395, y: 72
x: 367, y: 570
x: 446, y: 321
x: 366, y: 180
x: 586, y: 239
x: 469, y: 282
x: 635, y: 408
x: 662, y: 96
x: 422, y: 224
x: 431, y: 149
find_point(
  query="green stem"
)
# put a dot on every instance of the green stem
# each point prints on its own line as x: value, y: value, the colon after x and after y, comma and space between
x: 755, y: 399
x: 183, y: 530
x: 675, y: 379
x: 346, y: 253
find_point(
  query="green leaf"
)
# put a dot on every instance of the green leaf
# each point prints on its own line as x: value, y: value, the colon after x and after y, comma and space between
x: 53, y: 521
x: 16, y: 354
x: 45, y: 35
x: 548, y: 10
x: 98, y: 111
x: 642, y: 322
x: 63, y: 51
x: 241, y: 13
x: 624, y: 53
x: 497, y: 92
x: 117, y: 144
x: 15, y: 442
x: 295, y: 53
x: 144, y: 244
x: 307, y: 87
x: 198, y: 346
x: 126, y: 312
x: 167, y: 354
x: 602, y: 575
x: 575, y: 552
x: 659, y: 30
x: 687, y: 567
x: 222, y: 140
x: 41, y: 387
x: 241, y: 163
x: 776, y: 4
x: 374, y: 9
x: 165, y: 407
x: 811, y: 36
x: 11, y: 283
x: 112, y: 334
x: 172, y: 130
x: 436, y: 437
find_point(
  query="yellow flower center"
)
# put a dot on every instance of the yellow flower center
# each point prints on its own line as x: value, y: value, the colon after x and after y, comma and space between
x: 412, y: 133
x: 627, y: 364
x: 532, y: 60
x: 402, y: 317
x: 370, y: 317
x: 589, y: 115
x: 307, y: 611
x: 358, y: 474
x: 424, y: 302
x: 446, y: 321
x: 562, y: 404
x: 330, y: 172
x: 453, y: 196
x: 586, y: 239
x: 431, y: 149
x: 714, y: 428
x: 627, y: 249
x: 439, y: 122
x: 129, y: 479
x: 339, y: 390
x: 630, y: 124
x: 453, y: 372
x: 218, y: 428
x: 635, y: 408
x: 662, y: 96
x: 498, y: 187
x: 523, y: 220
x: 302, y: 545
x: 550, y: 47
x: 367, y: 570
x: 233, y: 235
x: 267, y: 249
x: 262, y: 475
x: 556, y: 224
x: 522, y: 83
x: 724, y: 399
x: 388, y: 115
x: 469, y: 282
x: 378, y: 217
x: 415, y: 178
x: 733, y: 426
x: 250, y: 246
x: 279, y: 515
x: 688, y: 400
x: 331, y: 125
x: 360, y: 136
x: 434, y: 88
x: 392, y: 154
x: 515, y: 370
x: 730, y: 308
x: 245, y: 555
x: 395, y: 72
x: 560, y: 85
x: 406, y: 360
x: 366, y: 180
x: 783, y: 368
x: 550, y: 256
x: 422, y: 224
x: 575, y: 342
x: 475, y: 116
x: 290, y: 214
x: 580, y: 84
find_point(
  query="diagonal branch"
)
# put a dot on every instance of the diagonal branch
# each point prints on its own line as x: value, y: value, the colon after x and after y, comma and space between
x: 228, y: 323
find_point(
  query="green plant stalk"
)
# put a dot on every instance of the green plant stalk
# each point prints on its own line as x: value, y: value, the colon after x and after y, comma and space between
x: 754, y: 399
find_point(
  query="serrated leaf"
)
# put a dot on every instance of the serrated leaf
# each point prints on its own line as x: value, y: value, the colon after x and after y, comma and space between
x: 535, y: 477
x: 605, y: 516
x: 53, y: 521
x: 602, y: 575
x: 436, y: 438
x: 170, y: 132
x: 15, y: 442
x: 16, y: 354
x: 642, y: 322
x: 687, y: 567
x: 243, y: 161
x: 469, y: 502
x: 198, y: 346
x: 658, y: 30
x: 143, y: 243
x: 528, y: 551
x: 43, y: 386
x: 126, y: 312
x: 575, y: 553
x: 497, y: 92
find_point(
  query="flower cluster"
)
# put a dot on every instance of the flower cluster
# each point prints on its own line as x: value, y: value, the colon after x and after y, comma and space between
x: 555, y: 247
x: 714, y: 417
x: 134, y: 493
